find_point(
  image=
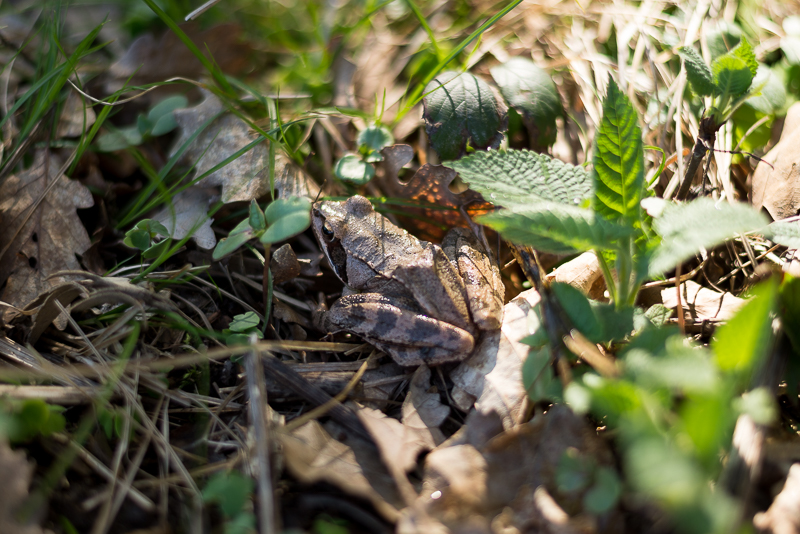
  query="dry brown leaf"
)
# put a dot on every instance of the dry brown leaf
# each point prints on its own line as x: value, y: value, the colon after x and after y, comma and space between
x: 423, y: 409
x: 398, y: 444
x: 464, y: 485
x: 583, y: 273
x: 76, y: 117
x: 492, y: 376
x: 189, y: 211
x: 15, y: 471
x: 783, y: 516
x: 430, y: 185
x: 702, y: 303
x: 245, y: 178
x: 51, y: 237
x: 312, y: 455
x: 151, y: 60
x: 776, y: 181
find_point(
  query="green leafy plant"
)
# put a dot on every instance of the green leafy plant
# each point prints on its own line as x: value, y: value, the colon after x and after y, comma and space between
x: 282, y: 219
x: 145, y: 236
x: 556, y: 207
x: 357, y: 168
x: 232, y: 492
x: 729, y: 82
x: 21, y: 421
x: 159, y: 120
x: 241, y: 328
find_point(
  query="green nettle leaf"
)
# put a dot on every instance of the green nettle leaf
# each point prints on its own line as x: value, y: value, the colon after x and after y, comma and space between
x: 742, y: 342
x: 375, y: 137
x: 733, y: 72
x: 697, y: 72
x: 460, y: 111
x: 618, y: 159
x: 556, y: 228
x: 351, y: 168
x: 521, y: 177
x: 745, y: 52
x: 530, y: 90
x: 785, y: 233
x: 686, y: 228
x: 771, y: 99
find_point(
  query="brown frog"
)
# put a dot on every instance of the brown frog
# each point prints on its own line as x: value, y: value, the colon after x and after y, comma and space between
x: 415, y: 300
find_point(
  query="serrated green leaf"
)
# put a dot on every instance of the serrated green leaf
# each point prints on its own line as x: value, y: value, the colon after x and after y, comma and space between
x: 351, y: 168
x: 733, y: 72
x: 686, y: 228
x: 697, y: 72
x: 618, y: 159
x: 459, y: 110
x: 556, y: 228
x: 244, y: 321
x: 745, y: 52
x: 375, y: 137
x: 520, y: 177
x: 785, y: 233
x: 742, y: 343
x: 531, y: 91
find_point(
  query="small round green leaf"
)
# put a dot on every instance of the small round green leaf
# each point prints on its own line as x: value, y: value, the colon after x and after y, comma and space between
x: 530, y: 90
x: 604, y: 493
x: 137, y: 238
x: 243, y: 322
x: 286, y: 227
x: 353, y: 169
x: 461, y: 110
x: 287, y: 206
x: 156, y: 250
x: 375, y: 137
x: 166, y: 107
x: 152, y: 227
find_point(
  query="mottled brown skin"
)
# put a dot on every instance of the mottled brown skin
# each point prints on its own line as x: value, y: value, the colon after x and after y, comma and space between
x: 410, y: 298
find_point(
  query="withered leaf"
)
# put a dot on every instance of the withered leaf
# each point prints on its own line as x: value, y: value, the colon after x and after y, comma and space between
x: 429, y: 186
x: 16, y: 473
x: 49, y: 239
x: 246, y: 177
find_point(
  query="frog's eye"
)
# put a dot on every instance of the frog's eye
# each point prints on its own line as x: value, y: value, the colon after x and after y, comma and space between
x: 327, y: 231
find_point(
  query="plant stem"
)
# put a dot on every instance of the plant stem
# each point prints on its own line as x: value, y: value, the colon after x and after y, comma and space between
x: 698, y: 153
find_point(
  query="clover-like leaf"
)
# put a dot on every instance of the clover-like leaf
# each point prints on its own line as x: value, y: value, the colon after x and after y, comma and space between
x: 240, y: 235
x: 161, y: 117
x: 556, y: 228
x: 520, y: 177
x: 244, y: 322
x: 686, y: 228
x: 532, y: 93
x: 697, y: 72
x: 351, y: 168
x: 618, y: 159
x: 461, y: 110
x: 375, y: 137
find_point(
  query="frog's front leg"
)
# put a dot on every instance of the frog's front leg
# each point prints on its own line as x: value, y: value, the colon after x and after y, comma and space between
x: 484, y: 286
x: 398, y: 327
